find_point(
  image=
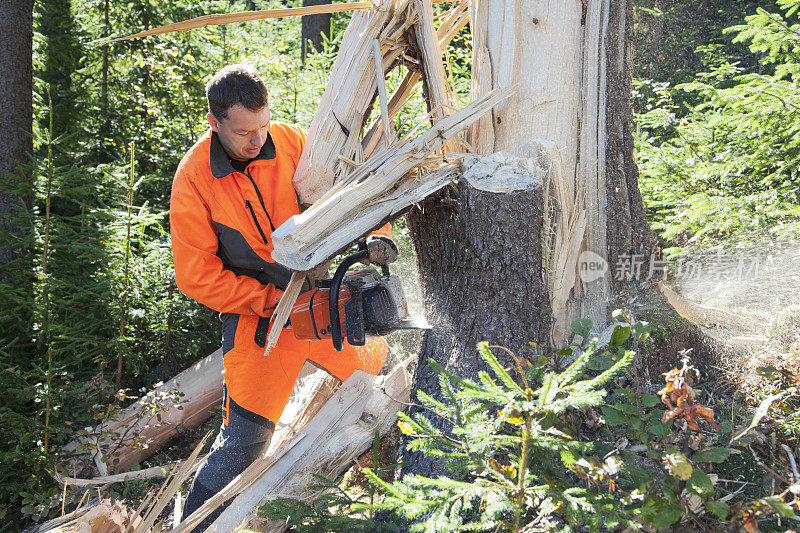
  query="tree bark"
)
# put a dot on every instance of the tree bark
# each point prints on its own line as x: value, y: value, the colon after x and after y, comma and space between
x: 510, y: 267
x: 477, y: 282
x: 628, y: 234
x: 16, y: 107
x: 314, y: 28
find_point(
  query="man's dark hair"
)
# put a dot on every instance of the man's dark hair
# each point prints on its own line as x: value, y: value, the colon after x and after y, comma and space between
x: 235, y: 84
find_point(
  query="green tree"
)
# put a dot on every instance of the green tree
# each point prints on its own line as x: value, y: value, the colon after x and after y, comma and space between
x: 729, y: 168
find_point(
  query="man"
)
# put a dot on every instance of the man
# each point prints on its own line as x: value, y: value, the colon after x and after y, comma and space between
x: 231, y: 190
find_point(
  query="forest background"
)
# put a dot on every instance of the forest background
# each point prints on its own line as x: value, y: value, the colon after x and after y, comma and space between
x: 717, y: 112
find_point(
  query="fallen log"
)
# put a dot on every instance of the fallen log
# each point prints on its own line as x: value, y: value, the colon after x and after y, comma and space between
x: 201, y: 389
x: 103, y: 516
x: 139, y: 430
x: 329, y: 427
x: 342, y: 430
x: 707, y: 316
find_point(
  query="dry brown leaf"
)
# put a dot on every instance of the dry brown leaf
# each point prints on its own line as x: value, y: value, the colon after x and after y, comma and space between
x: 749, y: 521
x: 679, y: 397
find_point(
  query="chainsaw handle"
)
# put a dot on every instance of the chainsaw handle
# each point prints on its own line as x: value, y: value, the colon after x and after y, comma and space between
x: 333, y: 301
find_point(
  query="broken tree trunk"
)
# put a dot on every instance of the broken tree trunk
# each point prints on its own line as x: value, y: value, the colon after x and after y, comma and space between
x: 334, y: 140
x: 378, y: 189
x: 494, y: 264
x: 570, y: 62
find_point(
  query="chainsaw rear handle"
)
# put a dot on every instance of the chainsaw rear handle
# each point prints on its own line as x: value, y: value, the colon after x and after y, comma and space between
x: 333, y: 301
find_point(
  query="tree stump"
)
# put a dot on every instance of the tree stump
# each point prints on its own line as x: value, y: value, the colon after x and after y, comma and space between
x: 480, y: 261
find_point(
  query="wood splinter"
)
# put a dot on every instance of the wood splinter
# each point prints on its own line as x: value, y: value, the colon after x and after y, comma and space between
x: 281, y: 313
x: 388, y: 133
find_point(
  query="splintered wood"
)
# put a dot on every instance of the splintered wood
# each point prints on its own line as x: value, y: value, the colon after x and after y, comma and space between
x: 379, y: 188
x: 452, y: 22
x: 335, y: 140
x: 342, y: 430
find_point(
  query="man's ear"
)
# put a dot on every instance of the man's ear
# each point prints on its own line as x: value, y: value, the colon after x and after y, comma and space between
x: 212, y: 121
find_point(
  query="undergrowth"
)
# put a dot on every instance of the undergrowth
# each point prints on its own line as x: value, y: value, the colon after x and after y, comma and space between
x: 586, y: 449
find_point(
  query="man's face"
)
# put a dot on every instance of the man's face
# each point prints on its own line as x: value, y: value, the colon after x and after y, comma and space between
x: 244, y: 132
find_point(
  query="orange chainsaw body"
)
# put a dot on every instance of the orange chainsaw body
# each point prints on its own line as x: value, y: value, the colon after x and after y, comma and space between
x: 310, y: 316
x: 365, y: 303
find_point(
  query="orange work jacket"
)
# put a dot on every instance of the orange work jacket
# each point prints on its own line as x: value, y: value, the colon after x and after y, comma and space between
x: 221, y: 222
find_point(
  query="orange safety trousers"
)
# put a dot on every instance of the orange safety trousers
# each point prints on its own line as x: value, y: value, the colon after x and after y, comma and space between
x: 262, y: 385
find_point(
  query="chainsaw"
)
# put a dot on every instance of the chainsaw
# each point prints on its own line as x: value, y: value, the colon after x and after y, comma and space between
x: 355, y: 304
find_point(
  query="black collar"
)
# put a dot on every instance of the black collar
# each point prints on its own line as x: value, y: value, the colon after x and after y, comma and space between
x: 221, y: 166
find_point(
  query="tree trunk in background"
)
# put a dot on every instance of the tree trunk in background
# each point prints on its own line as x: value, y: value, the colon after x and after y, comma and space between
x: 512, y: 267
x: 657, y: 38
x: 16, y: 107
x: 61, y: 55
x: 314, y: 28
x: 104, y: 75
